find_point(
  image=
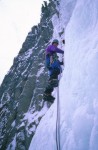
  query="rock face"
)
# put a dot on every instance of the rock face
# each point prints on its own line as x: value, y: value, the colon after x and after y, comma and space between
x: 23, y: 86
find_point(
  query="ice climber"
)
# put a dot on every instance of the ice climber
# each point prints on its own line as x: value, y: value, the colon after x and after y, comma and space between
x: 54, y: 67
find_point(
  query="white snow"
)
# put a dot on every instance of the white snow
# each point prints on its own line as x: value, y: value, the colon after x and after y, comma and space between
x: 26, y: 55
x: 13, y: 123
x: 78, y: 86
x: 30, y: 117
x: 40, y: 71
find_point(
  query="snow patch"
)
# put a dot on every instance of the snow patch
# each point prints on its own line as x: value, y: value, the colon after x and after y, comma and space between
x: 40, y: 71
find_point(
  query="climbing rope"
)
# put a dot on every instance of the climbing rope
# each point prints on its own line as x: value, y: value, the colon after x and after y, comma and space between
x: 58, y: 145
x: 58, y: 120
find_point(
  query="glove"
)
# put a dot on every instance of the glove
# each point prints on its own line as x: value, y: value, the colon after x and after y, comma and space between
x: 63, y: 41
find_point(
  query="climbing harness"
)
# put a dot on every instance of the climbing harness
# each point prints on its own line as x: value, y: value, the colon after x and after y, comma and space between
x: 58, y: 120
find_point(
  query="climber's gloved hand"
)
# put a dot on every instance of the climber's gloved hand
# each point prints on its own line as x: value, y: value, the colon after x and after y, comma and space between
x: 63, y: 41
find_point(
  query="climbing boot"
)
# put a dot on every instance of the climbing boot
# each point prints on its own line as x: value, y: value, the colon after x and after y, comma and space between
x: 49, y: 89
x: 48, y: 97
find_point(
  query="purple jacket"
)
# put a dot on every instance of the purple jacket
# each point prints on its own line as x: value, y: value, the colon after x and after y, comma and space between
x: 52, y: 49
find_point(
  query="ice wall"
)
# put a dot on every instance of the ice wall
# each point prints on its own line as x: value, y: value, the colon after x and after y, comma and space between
x: 78, y: 87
